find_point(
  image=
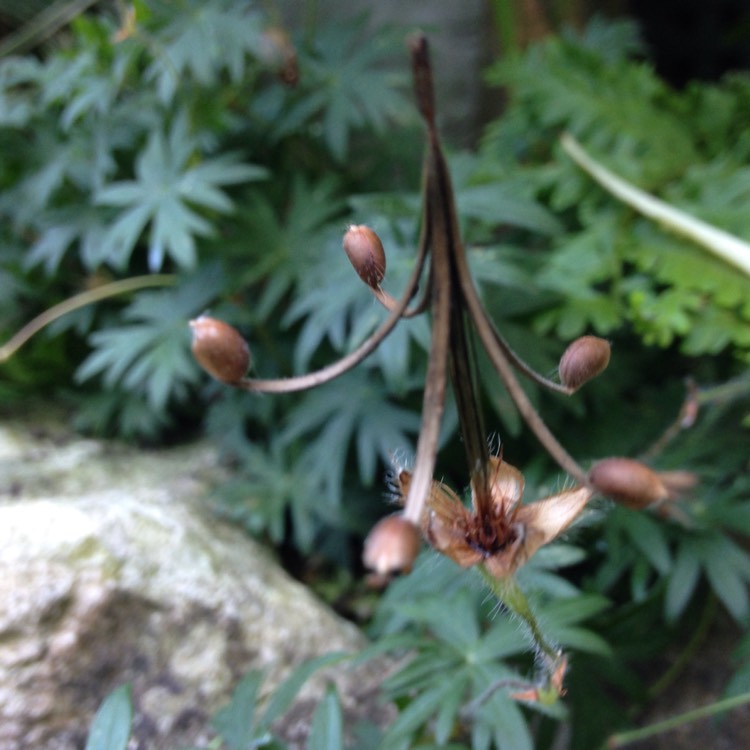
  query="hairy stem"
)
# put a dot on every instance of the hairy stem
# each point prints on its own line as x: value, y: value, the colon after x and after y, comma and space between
x: 510, y: 595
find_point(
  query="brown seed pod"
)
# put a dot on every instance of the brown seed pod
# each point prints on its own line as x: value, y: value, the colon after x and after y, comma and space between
x: 628, y: 482
x: 584, y: 359
x: 391, y: 546
x: 365, y: 251
x: 277, y: 49
x: 219, y: 349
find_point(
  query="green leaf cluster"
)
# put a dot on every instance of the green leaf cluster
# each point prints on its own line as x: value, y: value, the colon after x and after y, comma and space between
x: 131, y: 144
x: 179, y: 148
x: 610, y: 266
x: 466, y: 658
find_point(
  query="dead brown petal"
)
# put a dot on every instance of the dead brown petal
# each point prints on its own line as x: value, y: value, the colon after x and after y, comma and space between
x: 506, y: 484
x: 546, y: 519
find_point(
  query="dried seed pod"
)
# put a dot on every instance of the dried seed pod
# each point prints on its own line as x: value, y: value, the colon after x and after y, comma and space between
x: 365, y: 251
x: 628, y: 482
x: 678, y: 482
x: 391, y: 546
x: 219, y: 349
x: 277, y: 49
x: 584, y: 359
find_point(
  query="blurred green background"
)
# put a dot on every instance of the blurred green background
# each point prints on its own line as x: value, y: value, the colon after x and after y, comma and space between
x: 225, y: 146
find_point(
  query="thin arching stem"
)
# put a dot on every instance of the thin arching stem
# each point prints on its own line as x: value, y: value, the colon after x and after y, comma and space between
x: 523, y: 367
x: 504, y: 368
x: 461, y: 361
x: 390, y: 303
x: 332, y: 371
x: 459, y: 268
x: 77, y: 301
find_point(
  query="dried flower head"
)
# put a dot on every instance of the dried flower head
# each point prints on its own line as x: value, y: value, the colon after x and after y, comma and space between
x: 628, y: 482
x: 497, y: 530
x: 219, y: 349
x: 365, y: 251
x: 584, y: 359
x: 391, y: 546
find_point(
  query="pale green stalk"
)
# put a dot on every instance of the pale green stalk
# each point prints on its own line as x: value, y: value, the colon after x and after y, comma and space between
x: 625, y: 738
x: 726, y: 246
x: 77, y: 301
x: 510, y: 595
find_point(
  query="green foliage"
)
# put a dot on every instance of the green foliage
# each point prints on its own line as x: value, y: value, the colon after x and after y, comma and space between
x: 609, y: 265
x: 467, y: 658
x: 179, y: 148
x: 110, y: 729
x: 242, y: 725
x: 161, y: 196
x: 120, y: 155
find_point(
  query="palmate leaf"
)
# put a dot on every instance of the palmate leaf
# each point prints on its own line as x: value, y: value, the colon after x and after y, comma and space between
x: 727, y: 568
x: 353, y: 410
x: 350, y: 87
x: 61, y: 229
x: 17, y: 76
x: 150, y: 354
x: 202, y: 41
x: 278, y: 249
x: 494, y: 198
x: 453, y: 667
x: 562, y: 619
x: 163, y: 194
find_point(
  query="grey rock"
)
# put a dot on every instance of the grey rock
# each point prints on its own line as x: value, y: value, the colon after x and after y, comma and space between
x: 113, y: 570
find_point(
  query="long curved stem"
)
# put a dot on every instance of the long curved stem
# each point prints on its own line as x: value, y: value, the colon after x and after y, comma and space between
x: 77, y: 301
x: 505, y: 369
x: 433, y: 234
x: 722, y: 244
x: 621, y: 739
x: 433, y: 401
x: 332, y: 371
x: 390, y: 303
x: 523, y: 367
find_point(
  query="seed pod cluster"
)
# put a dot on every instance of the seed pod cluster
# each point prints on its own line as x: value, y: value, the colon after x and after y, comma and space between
x: 391, y: 546
x: 584, y: 359
x: 365, y: 252
x: 628, y: 482
x: 219, y: 349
